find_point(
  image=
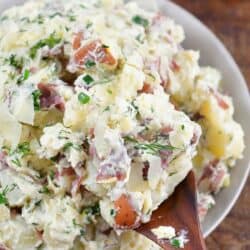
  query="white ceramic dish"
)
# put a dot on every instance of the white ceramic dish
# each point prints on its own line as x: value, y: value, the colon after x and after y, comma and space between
x: 213, y: 53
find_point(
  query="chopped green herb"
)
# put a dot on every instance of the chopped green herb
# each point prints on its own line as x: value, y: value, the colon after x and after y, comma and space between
x: 106, y: 109
x: 182, y: 126
x: 112, y: 212
x: 150, y: 148
x: 36, y: 99
x: 82, y: 232
x: 51, y: 42
x: 92, y: 210
x: 72, y: 18
x: 152, y: 76
x: 175, y: 242
x: 70, y: 145
x: 3, y: 198
x: 38, y: 203
x: 39, y: 19
x: 15, y: 62
x: 24, y: 77
x: 83, y: 98
x: 105, y: 46
x: 26, y: 74
x: 45, y: 190
x: 23, y: 149
x: 90, y: 64
x: 25, y: 19
x: 76, y: 224
x: 88, y: 79
x: 63, y: 134
x: 17, y: 162
x: 110, y: 91
x: 55, y: 14
x: 139, y: 38
x: 140, y: 21
x: 88, y: 25
x: 52, y: 174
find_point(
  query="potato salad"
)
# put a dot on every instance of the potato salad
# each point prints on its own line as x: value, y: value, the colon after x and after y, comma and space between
x: 102, y: 114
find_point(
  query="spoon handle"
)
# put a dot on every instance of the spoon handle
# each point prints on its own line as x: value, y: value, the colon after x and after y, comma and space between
x: 179, y: 211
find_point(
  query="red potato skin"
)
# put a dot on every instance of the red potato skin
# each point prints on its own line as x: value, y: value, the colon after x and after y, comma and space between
x: 77, y: 40
x: 126, y: 216
x: 146, y: 89
x: 95, y: 47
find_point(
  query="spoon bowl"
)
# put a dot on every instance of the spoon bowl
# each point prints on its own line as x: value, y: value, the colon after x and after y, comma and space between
x: 180, y: 211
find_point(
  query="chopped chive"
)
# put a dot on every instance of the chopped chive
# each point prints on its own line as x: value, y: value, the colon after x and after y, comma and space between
x: 88, y: 25
x: 15, y: 62
x: 24, y: 77
x: 17, y: 162
x: 83, y: 98
x: 90, y: 64
x: 70, y: 145
x: 55, y: 14
x: 105, y: 46
x: 26, y: 74
x: 45, y: 190
x: 72, y: 18
x: 110, y: 91
x: 140, y: 21
x: 88, y: 79
x: 36, y: 99
x: 182, y: 126
x: 112, y: 212
x: 51, y: 42
x: 175, y: 243
x: 52, y: 175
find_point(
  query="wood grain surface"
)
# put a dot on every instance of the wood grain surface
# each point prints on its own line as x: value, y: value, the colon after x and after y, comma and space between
x: 230, y: 21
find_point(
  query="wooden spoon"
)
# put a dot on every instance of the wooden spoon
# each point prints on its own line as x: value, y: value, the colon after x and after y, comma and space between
x: 179, y: 211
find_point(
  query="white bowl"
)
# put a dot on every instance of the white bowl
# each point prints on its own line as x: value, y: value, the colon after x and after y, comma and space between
x: 213, y: 53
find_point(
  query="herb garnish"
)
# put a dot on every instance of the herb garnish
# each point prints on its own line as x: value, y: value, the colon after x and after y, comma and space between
x: 88, y: 79
x: 23, y: 77
x: 15, y: 62
x: 69, y: 145
x: 36, y: 99
x: 112, y: 212
x: 75, y: 223
x: 55, y: 14
x: 89, y: 64
x: 105, y: 46
x: 140, y: 21
x: 51, y: 42
x: 23, y: 149
x: 83, y: 98
x: 150, y: 148
x: 3, y: 198
x: 175, y: 242
x: 45, y: 190
x: 92, y: 210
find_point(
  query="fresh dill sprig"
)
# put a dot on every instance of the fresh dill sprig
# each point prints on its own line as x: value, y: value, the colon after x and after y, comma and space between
x: 153, y: 148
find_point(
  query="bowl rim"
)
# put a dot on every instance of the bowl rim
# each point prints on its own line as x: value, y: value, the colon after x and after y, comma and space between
x: 227, y: 57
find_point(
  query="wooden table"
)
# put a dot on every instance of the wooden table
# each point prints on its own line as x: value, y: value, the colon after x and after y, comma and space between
x: 230, y: 20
